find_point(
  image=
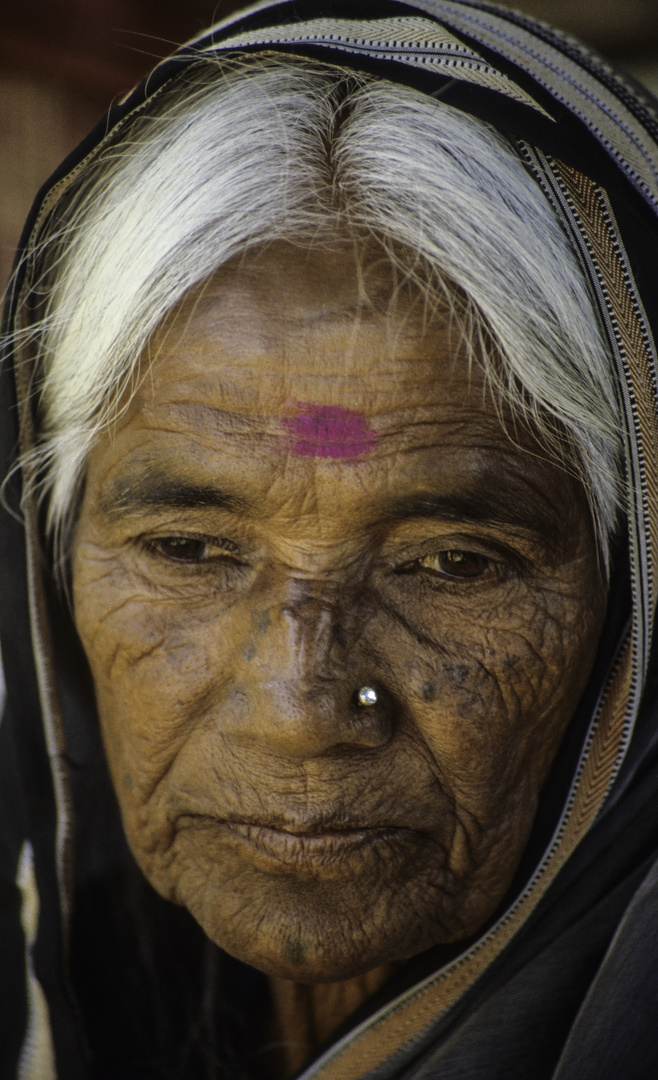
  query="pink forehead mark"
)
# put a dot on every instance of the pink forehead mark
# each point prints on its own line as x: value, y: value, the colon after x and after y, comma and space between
x: 329, y: 431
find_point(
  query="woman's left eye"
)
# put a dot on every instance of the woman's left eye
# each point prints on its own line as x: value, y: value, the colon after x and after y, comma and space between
x: 190, y: 549
x: 457, y: 564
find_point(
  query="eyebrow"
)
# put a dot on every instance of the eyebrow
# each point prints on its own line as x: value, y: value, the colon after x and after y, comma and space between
x: 147, y: 493
x: 482, y: 507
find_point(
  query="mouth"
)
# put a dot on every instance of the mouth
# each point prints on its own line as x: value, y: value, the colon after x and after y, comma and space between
x: 308, y: 847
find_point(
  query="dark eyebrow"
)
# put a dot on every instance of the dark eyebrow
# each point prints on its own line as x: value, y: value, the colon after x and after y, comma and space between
x: 482, y: 507
x: 157, y: 492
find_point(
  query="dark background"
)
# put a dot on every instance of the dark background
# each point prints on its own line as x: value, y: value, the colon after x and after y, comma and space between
x: 62, y: 62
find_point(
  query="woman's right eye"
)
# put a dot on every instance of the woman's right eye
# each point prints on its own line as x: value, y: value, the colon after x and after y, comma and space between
x: 192, y: 549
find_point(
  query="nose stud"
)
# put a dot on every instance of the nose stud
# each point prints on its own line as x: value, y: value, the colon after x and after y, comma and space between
x: 367, y: 696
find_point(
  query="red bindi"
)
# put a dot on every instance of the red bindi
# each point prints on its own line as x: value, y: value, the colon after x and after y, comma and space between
x: 329, y: 431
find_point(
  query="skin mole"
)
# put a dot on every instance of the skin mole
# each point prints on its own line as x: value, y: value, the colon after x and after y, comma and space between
x: 428, y: 691
x: 294, y: 949
x: 457, y: 673
x: 262, y: 621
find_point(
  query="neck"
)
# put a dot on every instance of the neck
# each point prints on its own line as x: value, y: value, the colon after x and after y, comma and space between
x: 305, y: 1015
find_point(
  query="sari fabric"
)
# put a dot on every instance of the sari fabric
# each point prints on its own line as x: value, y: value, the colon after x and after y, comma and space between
x: 101, y: 978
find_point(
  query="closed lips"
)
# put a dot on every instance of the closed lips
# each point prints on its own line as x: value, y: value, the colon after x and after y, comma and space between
x: 307, y: 844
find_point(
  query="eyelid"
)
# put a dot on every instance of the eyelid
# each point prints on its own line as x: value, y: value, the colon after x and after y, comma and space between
x: 224, y: 546
x: 491, y: 567
x: 487, y: 547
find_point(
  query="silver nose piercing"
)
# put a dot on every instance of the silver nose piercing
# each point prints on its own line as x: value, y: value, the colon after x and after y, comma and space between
x: 367, y: 696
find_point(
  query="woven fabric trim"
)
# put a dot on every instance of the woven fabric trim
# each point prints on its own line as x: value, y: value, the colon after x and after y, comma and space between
x: 614, y: 126
x: 586, y: 211
x: 414, y: 41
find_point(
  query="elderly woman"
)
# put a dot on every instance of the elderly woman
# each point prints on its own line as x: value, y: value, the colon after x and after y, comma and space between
x: 330, y: 430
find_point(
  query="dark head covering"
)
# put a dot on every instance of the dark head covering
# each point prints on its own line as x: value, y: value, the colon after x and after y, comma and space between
x: 101, y: 978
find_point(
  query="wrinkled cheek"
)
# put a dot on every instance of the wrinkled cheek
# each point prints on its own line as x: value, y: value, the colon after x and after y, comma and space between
x: 460, y: 709
x: 153, y: 664
x: 155, y: 682
x: 482, y: 707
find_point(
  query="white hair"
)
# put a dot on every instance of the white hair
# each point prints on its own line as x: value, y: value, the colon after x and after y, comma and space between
x: 256, y: 150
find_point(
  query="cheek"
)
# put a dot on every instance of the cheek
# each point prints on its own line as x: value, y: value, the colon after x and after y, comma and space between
x: 158, y: 666
x: 492, y: 686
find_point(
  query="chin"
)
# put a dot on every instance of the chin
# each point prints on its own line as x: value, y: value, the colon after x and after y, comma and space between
x: 316, y: 913
x: 299, y: 949
x: 306, y: 931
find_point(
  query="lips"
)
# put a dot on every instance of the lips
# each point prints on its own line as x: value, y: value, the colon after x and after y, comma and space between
x: 308, y: 846
x: 295, y: 846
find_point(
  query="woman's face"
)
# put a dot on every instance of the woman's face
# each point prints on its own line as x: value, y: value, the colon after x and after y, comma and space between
x: 308, y: 495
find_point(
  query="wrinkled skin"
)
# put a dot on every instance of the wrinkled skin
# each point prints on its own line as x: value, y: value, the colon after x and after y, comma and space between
x: 447, y: 566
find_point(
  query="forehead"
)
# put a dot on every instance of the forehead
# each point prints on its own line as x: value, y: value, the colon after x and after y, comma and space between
x: 304, y: 390
x: 287, y: 325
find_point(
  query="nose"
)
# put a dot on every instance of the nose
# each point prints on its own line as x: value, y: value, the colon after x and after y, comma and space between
x: 304, y: 679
